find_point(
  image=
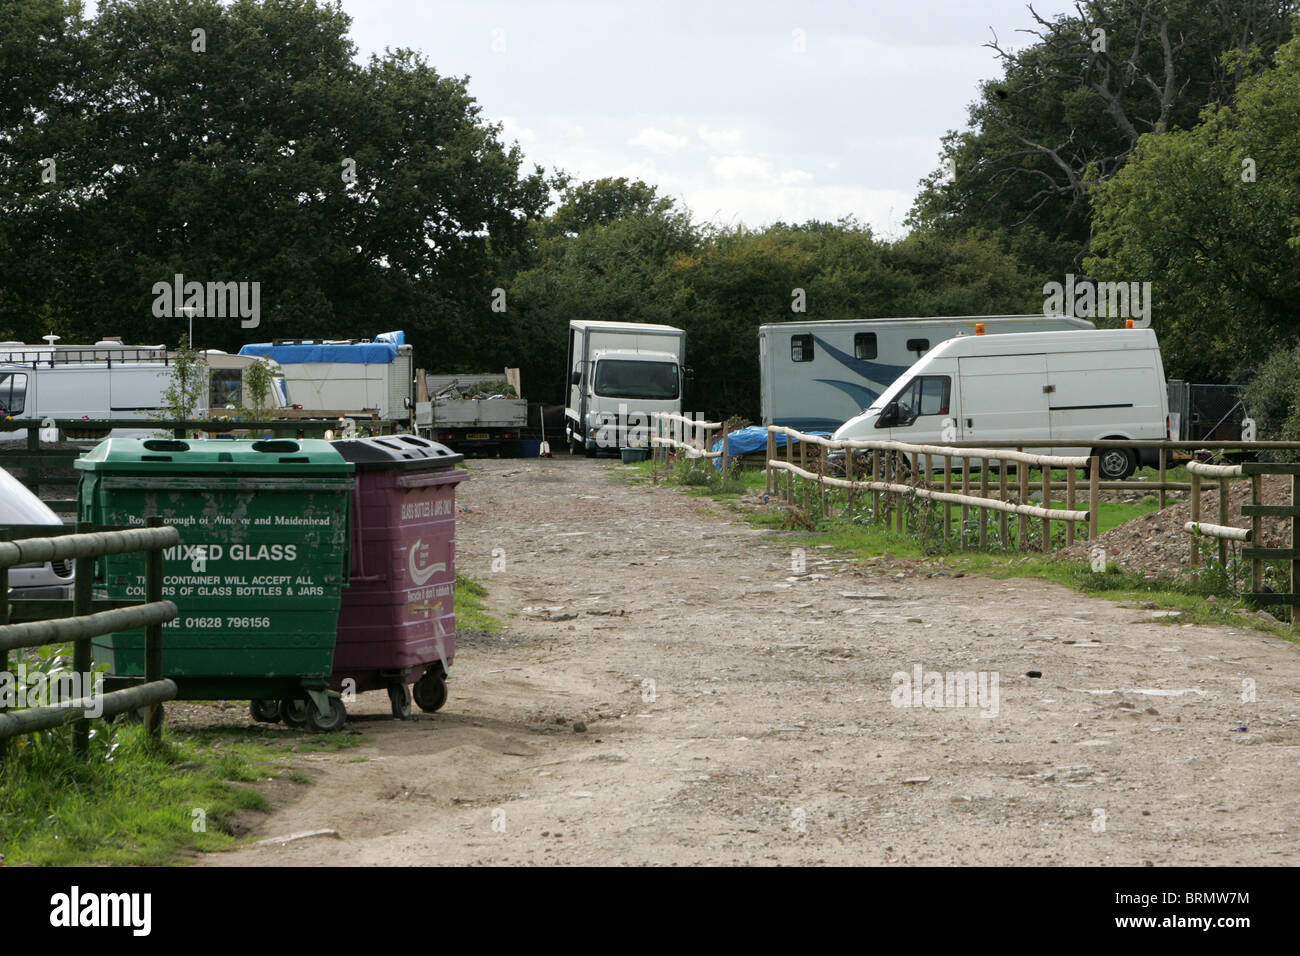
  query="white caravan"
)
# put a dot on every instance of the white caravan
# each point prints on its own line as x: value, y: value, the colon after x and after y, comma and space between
x: 1031, y: 388
x: 619, y: 375
x: 817, y: 375
x: 110, y: 381
x: 349, y: 375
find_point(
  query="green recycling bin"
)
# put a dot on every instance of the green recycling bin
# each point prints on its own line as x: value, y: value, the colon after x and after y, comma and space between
x: 257, y: 576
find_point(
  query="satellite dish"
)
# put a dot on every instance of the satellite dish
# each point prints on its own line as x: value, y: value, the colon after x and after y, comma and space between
x: 51, y: 338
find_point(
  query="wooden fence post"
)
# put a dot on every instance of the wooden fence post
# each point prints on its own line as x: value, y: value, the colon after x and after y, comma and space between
x: 1163, y: 479
x: 789, y: 475
x: 899, y: 459
x: 965, y: 490
x: 1047, y: 503
x: 1223, y: 520
x: 984, y: 512
x: 1069, y: 505
x: 153, y: 589
x: 1195, y: 556
x: 82, y: 594
x: 849, y: 477
x: 1094, y: 495
x: 1022, y: 523
x: 1295, y: 562
x: 767, y: 462
x: 1257, y: 568
x: 875, y: 477
x: 1002, y: 494
x: 724, y: 450
x: 947, y: 505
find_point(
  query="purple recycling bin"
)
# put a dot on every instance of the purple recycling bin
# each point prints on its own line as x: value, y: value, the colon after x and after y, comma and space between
x: 397, y: 625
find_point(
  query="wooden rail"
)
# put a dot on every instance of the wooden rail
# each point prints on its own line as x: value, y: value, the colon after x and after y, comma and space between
x: 83, y: 547
x: 1256, y: 511
x: 689, y: 436
x: 900, y: 470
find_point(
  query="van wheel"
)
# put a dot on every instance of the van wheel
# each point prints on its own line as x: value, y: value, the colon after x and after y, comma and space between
x: 1115, y: 464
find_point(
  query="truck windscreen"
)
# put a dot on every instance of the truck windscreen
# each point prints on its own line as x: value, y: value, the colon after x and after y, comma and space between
x: 622, y: 379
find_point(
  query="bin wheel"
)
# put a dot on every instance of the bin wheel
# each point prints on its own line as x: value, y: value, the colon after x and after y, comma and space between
x: 294, y: 712
x: 327, y: 723
x: 399, y: 696
x: 265, y: 710
x: 431, y: 691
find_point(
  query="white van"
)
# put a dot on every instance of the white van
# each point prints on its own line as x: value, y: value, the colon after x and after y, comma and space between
x: 52, y: 579
x: 1031, y: 387
x: 815, y: 375
x: 108, y: 381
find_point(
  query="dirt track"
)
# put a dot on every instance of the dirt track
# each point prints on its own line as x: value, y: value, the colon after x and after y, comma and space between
x: 769, y: 735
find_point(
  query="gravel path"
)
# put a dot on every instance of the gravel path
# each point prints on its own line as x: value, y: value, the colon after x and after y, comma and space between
x: 737, y: 713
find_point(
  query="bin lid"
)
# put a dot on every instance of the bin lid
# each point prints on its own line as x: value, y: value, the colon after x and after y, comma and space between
x: 209, y: 456
x: 397, y: 451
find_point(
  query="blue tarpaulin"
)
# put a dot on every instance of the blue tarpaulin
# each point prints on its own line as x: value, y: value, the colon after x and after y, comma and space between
x: 360, y: 353
x: 754, y: 438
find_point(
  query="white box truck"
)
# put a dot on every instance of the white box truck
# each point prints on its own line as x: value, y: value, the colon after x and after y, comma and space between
x: 619, y: 375
x: 817, y: 375
x: 1033, y: 388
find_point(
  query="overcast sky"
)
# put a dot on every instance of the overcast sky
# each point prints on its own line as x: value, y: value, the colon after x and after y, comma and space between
x: 711, y: 101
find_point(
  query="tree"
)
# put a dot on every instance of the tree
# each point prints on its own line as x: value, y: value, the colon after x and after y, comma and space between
x: 1211, y: 216
x: 258, y: 151
x: 1070, y: 108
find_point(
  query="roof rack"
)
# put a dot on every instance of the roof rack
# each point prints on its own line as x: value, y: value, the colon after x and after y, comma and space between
x: 37, y: 357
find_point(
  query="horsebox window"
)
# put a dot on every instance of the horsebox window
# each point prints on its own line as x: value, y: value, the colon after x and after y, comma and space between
x: 801, y: 348
x: 864, y: 345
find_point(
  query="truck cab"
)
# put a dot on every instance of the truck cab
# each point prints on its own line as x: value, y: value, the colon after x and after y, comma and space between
x: 620, y: 375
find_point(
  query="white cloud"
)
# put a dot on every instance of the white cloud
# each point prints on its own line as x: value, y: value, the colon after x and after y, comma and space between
x: 754, y: 169
x: 882, y: 209
x: 722, y: 140
x: 511, y: 129
x: 657, y: 141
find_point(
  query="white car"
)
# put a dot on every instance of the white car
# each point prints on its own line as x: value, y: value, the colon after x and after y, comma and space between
x: 53, y: 579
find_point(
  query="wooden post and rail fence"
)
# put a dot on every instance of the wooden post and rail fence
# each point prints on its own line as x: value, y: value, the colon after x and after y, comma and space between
x: 83, y: 545
x: 688, y: 437
x: 900, y: 470
x: 1256, y: 510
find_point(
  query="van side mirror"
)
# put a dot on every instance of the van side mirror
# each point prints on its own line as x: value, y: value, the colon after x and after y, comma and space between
x: 575, y: 378
x: 888, y: 417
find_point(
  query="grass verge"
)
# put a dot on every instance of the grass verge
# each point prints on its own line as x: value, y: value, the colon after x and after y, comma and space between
x: 470, y: 607
x: 130, y: 803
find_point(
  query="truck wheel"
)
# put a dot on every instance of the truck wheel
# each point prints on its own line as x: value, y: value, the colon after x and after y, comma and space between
x: 431, y: 691
x: 1115, y: 464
